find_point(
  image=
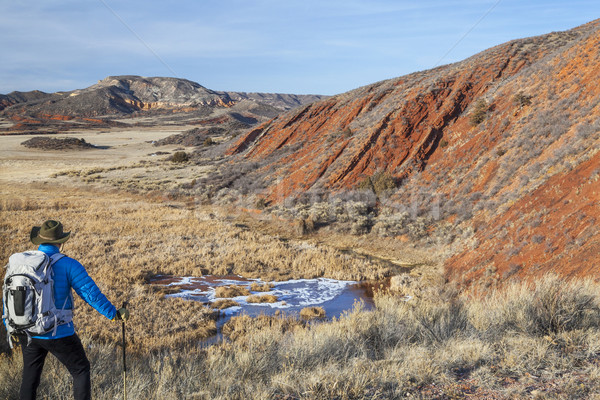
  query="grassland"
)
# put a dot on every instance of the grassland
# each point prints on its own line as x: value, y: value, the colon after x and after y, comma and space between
x: 525, y: 341
x: 123, y: 240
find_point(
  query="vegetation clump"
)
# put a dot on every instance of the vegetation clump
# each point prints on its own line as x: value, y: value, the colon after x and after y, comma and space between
x: 380, y: 183
x: 48, y: 143
x: 520, y: 99
x: 522, y: 338
x: 312, y: 312
x: 222, y: 304
x: 479, y: 112
x: 231, y: 291
x: 179, y: 157
x: 257, y: 287
x: 265, y: 298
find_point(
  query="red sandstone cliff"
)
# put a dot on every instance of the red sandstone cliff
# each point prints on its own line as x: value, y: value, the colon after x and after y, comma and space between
x: 527, y: 176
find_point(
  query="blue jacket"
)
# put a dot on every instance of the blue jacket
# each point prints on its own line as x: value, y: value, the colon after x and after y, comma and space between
x: 69, y: 273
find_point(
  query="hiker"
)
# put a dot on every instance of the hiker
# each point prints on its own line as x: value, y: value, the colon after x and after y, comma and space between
x: 62, y: 341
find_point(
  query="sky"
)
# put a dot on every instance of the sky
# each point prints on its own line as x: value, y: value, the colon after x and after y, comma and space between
x: 283, y: 46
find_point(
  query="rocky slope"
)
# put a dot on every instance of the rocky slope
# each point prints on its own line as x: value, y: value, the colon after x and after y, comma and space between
x: 505, y: 142
x: 170, y: 99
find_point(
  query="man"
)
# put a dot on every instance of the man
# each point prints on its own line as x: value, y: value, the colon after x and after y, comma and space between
x: 64, y: 344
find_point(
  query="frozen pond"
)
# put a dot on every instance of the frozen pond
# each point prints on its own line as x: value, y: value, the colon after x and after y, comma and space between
x: 333, y: 295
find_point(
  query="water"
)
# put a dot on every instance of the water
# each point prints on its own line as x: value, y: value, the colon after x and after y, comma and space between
x: 334, y: 296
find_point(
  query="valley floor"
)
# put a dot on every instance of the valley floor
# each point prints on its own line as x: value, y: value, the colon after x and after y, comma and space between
x: 524, y: 341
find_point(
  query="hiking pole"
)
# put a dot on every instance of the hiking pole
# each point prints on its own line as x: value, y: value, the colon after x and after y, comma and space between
x: 124, y: 358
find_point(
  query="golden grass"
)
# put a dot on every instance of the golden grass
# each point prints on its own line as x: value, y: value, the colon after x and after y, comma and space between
x: 257, y: 287
x: 124, y: 239
x: 312, y: 312
x: 442, y: 347
x: 265, y: 298
x: 231, y: 291
x: 222, y: 304
x: 507, y: 343
x: 244, y: 326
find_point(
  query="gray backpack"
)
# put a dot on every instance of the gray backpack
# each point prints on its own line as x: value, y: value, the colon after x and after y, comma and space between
x: 28, y: 294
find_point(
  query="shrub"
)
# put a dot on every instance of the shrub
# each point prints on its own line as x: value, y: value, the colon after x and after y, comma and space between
x: 521, y: 99
x: 231, y: 291
x: 257, y: 287
x: 179, y: 157
x: 383, y: 182
x: 265, y: 298
x: 392, y: 224
x: 479, y: 112
x: 439, y: 322
x: 312, y: 312
x: 261, y: 203
x: 222, y: 304
x: 549, y: 306
x: 366, y: 184
x: 380, y: 183
x: 361, y: 225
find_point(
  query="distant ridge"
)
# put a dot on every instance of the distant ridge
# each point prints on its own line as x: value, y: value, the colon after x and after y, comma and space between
x: 124, y: 96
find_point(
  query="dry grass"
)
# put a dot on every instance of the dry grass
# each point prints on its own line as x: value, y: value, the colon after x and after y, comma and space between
x: 244, y: 326
x: 231, y: 291
x: 442, y: 347
x: 505, y: 344
x: 257, y: 287
x: 265, y: 298
x: 222, y: 304
x: 312, y: 312
x: 124, y: 239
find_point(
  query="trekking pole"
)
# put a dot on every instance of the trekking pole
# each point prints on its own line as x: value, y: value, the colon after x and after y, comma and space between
x: 124, y: 358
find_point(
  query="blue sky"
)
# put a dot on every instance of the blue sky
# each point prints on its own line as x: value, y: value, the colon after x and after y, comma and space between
x: 285, y: 46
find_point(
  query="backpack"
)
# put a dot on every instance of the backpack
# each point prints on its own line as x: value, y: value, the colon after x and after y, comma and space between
x: 28, y: 293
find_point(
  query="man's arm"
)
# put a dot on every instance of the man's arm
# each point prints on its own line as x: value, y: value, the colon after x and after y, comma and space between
x: 87, y: 289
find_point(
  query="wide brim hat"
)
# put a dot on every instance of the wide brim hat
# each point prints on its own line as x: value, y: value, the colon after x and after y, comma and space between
x: 51, y: 232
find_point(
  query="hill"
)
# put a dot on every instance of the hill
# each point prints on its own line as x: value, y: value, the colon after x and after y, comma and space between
x: 126, y: 100
x: 504, y: 143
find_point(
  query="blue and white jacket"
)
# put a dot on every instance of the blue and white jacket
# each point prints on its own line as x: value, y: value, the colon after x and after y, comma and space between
x: 70, y: 274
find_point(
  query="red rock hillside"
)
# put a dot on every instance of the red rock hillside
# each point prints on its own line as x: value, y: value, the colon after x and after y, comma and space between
x: 507, y: 141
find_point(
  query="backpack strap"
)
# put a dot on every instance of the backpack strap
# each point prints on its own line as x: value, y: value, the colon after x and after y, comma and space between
x: 55, y: 257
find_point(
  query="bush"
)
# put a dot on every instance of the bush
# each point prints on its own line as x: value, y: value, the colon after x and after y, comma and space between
x: 265, y: 298
x: 261, y: 203
x: 222, y: 304
x: 521, y: 100
x: 392, y: 224
x: 312, y: 312
x: 231, y: 291
x: 380, y: 183
x: 257, y: 287
x: 549, y: 306
x: 179, y: 157
x: 383, y: 182
x: 479, y: 112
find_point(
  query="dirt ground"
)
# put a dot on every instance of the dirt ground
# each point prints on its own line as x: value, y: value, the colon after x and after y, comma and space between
x: 118, y: 147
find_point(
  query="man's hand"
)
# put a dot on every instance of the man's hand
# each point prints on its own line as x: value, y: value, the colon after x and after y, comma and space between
x: 122, y: 314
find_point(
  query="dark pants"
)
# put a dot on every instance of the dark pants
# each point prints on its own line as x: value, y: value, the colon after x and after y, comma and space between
x: 69, y: 352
